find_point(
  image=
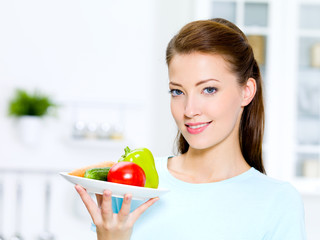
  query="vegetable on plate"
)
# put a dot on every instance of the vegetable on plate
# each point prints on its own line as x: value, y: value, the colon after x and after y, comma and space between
x: 97, y: 173
x: 79, y: 172
x: 127, y: 173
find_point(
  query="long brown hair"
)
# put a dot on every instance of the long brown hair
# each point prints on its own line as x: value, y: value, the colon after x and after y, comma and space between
x: 219, y: 36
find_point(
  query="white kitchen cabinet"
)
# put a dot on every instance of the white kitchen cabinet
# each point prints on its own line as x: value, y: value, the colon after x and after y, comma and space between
x: 290, y: 66
x: 307, y: 115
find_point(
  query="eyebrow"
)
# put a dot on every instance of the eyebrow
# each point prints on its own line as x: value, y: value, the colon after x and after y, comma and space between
x: 197, y: 84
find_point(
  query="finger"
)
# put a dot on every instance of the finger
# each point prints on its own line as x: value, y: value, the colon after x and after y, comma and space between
x: 125, y: 208
x: 99, y: 199
x: 106, y: 206
x: 88, y: 202
x: 142, y: 208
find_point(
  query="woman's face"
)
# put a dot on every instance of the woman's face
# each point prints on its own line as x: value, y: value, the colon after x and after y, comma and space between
x: 207, y: 101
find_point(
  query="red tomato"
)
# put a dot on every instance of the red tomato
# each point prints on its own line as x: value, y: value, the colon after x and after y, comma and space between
x: 127, y: 173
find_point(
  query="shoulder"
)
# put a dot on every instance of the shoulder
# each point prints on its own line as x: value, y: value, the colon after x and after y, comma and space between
x: 283, y: 207
x: 281, y: 191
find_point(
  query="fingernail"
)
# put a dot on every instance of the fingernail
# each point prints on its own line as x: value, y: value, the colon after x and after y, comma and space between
x: 128, y: 197
x: 107, y: 193
x: 77, y: 187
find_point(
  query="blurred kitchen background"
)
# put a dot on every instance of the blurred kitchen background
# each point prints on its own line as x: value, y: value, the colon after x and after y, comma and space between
x: 103, y: 64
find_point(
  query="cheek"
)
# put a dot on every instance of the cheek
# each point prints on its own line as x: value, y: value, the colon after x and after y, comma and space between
x: 227, y: 109
x: 175, y: 110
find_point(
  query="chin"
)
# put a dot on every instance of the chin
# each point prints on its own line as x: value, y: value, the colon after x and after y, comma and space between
x: 200, y: 145
x: 205, y: 142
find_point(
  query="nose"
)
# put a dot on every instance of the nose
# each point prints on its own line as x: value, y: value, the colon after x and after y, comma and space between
x: 192, y: 107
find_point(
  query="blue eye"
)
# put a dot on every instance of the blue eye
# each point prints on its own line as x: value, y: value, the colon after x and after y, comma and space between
x: 175, y: 92
x: 209, y: 90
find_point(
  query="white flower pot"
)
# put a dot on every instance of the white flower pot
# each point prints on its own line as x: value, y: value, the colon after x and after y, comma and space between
x: 29, y: 129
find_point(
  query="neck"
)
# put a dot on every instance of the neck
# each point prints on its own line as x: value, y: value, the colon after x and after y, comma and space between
x: 214, y: 164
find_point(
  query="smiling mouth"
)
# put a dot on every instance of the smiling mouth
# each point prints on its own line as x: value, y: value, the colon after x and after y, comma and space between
x: 198, y: 126
x: 195, y: 128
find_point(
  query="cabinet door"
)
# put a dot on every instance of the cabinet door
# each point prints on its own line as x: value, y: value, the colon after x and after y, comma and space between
x: 308, y: 92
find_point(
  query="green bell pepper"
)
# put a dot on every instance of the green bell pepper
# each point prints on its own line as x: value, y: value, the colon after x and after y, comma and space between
x: 144, y: 158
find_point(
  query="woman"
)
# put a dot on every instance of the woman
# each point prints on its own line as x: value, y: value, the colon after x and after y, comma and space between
x: 217, y: 182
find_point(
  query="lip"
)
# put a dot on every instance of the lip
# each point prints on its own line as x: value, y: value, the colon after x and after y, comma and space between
x: 198, y: 129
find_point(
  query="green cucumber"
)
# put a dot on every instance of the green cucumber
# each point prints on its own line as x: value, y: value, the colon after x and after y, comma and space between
x: 97, y: 173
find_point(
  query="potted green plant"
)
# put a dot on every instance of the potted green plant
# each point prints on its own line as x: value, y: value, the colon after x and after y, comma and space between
x: 29, y: 109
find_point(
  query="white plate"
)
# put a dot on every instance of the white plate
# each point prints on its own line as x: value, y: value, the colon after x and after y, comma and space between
x: 118, y: 190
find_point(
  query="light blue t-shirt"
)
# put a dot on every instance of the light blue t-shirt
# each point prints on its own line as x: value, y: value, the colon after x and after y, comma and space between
x: 250, y: 206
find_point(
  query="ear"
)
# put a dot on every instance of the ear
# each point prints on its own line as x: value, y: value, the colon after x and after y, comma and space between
x: 249, y: 91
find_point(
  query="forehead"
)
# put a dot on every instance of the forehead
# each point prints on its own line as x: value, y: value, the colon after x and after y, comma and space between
x: 199, y: 66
